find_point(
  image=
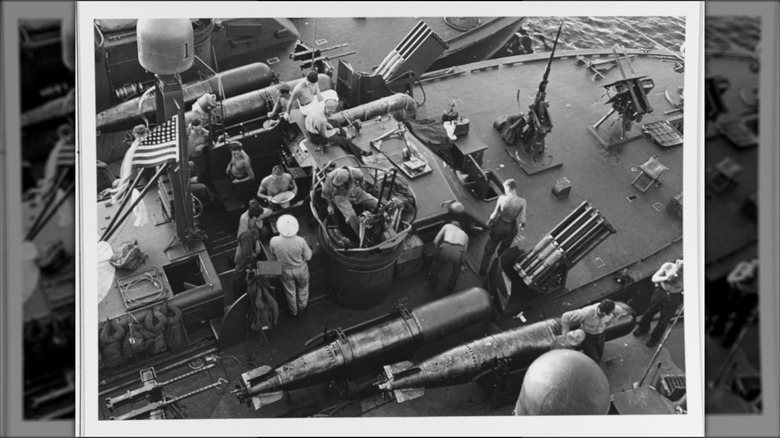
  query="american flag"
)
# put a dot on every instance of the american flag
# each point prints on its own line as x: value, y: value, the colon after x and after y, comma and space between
x: 67, y: 156
x: 160, y: 146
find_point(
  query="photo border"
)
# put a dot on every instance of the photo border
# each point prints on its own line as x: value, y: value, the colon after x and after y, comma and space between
x: 691, y: 424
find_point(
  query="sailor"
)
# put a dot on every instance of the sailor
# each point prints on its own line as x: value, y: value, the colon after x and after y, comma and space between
x: 506, y: 220
x: 305, y: 92
x: 451, y: 243
x: 321, y: 132
x: 592, y: 320
x: 197, y: 140
x: 292, y: 252
x: 203, y: 106
x: 246, y: 252
x: 343, y: 189
x: 277, y: 182
x: 198, y: 189
x: 254, y: 223
x: 666, y: 298
x: 282, y: 103
x: 239, y: 170
x: 741, y: 300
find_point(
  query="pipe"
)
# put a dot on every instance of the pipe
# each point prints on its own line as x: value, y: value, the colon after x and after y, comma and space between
x: 387, y: 337
x: 398, y: 103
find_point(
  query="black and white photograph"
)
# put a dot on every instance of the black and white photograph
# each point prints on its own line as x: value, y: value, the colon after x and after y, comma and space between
x: 306, y: 221
x: 39, y: 310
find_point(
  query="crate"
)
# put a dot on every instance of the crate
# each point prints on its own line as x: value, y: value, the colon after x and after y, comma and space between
x: 408, y: 268
x: 671, y: 386
x: 411, y: 249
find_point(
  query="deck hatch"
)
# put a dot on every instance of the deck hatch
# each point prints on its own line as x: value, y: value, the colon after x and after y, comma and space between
x: 663, y: 133
x: 187, y: 274
x: 738, y: 134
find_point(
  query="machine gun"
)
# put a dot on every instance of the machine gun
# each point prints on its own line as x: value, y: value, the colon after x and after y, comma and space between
x: 629, y: 100
x: 529, y: 130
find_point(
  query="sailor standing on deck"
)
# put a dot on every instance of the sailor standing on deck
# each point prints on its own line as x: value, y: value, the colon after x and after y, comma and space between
x: 342, y: 189
x: 666, y: 298
x: 506, y: 220
x: 292, y: 252
x: 451, y: 242
x: 321, y: 132
x: 592, y: 320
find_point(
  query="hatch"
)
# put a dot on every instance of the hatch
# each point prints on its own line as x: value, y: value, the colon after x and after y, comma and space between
x: 187, y: 274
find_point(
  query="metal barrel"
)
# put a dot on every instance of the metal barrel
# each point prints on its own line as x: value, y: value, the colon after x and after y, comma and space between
x: 571, y: 216
x: 575, y: 223
x: 519, y: 346
x: 235, y: 82
x: 385, y: 337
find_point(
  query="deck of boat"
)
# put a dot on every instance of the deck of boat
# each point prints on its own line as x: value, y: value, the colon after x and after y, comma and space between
x: 380, y: 35
x: 647, y: 233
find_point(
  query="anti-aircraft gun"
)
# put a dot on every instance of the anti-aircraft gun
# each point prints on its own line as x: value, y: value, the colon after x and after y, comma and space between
x: 628, y: 97
x: 529, y: 130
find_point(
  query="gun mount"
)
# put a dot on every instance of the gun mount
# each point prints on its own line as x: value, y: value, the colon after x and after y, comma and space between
x: 628, y: 97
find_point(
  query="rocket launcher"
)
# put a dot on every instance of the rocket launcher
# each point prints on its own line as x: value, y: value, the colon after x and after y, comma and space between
x: 384, y: 339
x: 512, y: 349
x: 544, y: 268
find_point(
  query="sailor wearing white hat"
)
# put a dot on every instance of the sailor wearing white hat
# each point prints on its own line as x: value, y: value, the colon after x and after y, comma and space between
x: 292, y: 252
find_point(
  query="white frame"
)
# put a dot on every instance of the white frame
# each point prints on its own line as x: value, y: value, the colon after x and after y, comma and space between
x: 691, y: 424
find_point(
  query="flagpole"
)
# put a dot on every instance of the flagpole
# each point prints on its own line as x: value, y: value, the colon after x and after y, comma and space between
x: 125, y: 200
x: 33, y: 233
x: 108, y: 233
x: 50, y: 197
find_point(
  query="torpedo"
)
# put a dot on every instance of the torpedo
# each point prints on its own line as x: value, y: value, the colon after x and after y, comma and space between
x: 517, y: 347
x: 352, y: 349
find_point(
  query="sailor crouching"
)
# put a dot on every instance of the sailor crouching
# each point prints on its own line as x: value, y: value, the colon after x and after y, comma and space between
x: 342, y: 189
x: 451, y: 243
x: 321, y: 132
x: 592, y: 320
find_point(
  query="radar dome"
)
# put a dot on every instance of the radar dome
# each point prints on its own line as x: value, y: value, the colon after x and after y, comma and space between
x: 165, y: 45
x: 563, y: 382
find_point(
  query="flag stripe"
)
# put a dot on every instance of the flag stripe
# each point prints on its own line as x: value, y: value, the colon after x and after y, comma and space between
x: 160, y: 146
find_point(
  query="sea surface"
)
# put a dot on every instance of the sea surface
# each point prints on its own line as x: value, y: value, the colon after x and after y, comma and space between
x: 741, y: 33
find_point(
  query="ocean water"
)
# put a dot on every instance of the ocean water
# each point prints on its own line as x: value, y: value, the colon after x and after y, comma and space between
x: 600, y: 32
x: 740, y: 33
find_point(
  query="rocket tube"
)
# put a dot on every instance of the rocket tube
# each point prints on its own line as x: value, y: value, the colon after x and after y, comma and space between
x: 520, y: 345
x: 392, y: 334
